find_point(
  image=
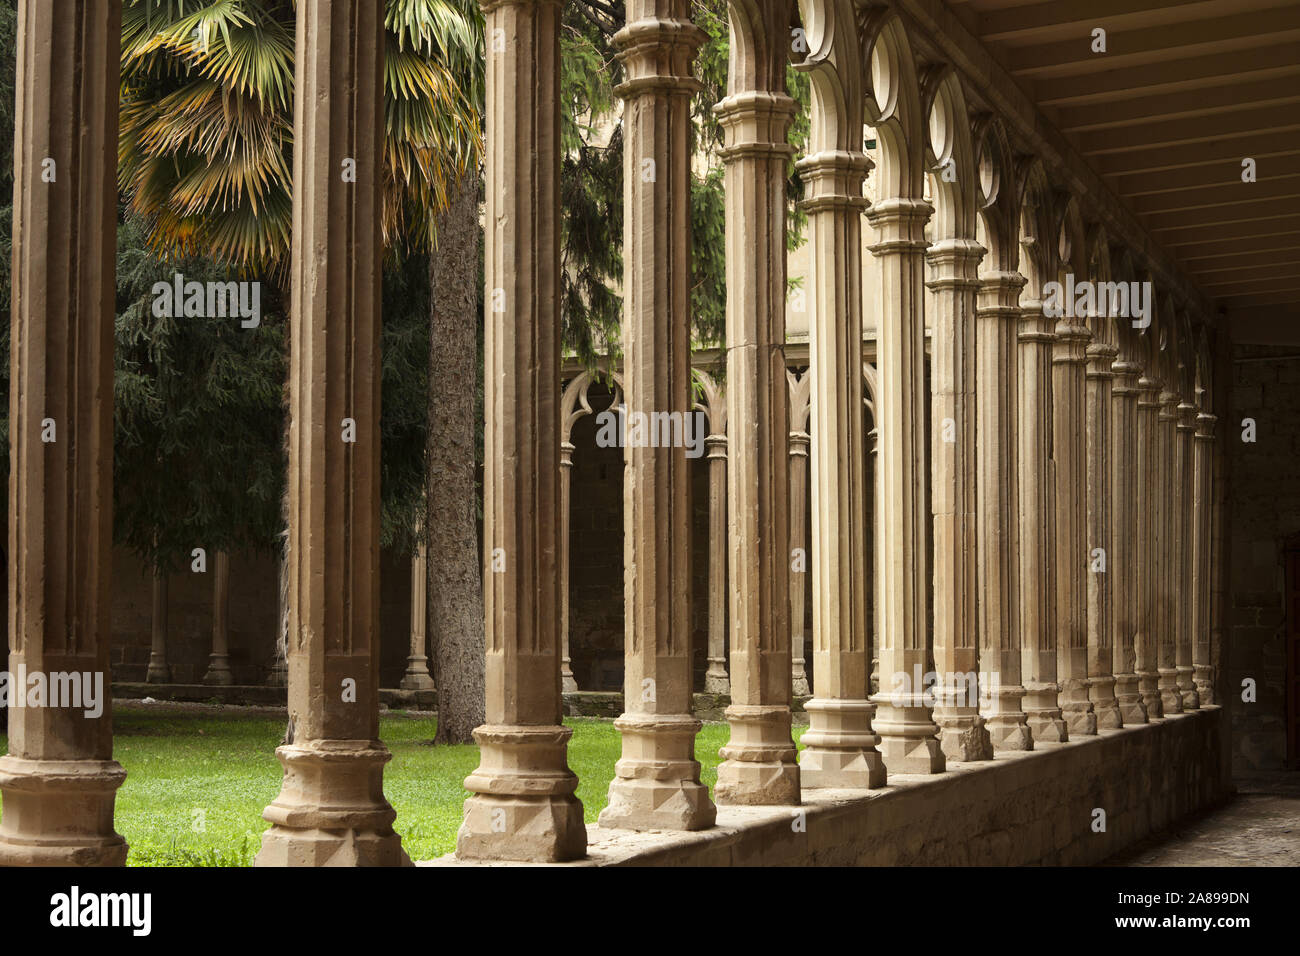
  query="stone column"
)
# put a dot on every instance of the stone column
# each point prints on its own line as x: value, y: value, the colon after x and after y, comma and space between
x: 59, y: 779
x: 1101, y: 505
x: 1124, y: 569
x: 417, y: 675
x: 759, y: 759
x: 159, y: 672
x: 523, y: 807
x: 219, y: 659
x: 1071, y: 560
x: 908, y: 734
x: 997, y: 568
x: 331, y: 809
x: 657, y: 782
x: 840, y: 744
x: 1037, y: 616
x: 568, y: 683
x: 953, y: 468
x: 1147, y: 553
x: 799, y: 442
x: 1202, y: 570
x: 1170, y: 465
x: 1185, y: 595
x: 715, y: 678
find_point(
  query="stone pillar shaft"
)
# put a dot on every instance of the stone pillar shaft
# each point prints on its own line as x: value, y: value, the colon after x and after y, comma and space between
x: 953, y: 467
x: 759, y: 759
x: 799, y: 443
x: 1147, y: 554
x: 657, y: 781
x: 715, y: 678
x: 219, y: 660
x: 1124, y: 569
x: 1072, y: 560
x: 1185, y: 585
x: 417, y: 663
x: 523, y: 807
x: 1100, y: 503
x: 158, y: 671
x: 331, y: 809
x: 568, y: 683
x: 997, y: 563
x: 59, y: 778
x: 840, y: 744
x: 909, y: 742
x: 1167, y: 549
x: 1202, y: 570
x: 1036, y: 520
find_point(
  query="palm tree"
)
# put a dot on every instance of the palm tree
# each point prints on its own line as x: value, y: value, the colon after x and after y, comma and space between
x: 205, y: 160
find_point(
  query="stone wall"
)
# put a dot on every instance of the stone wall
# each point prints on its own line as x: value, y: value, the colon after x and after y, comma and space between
x: 1264, y: 513
x: 1036, y: 807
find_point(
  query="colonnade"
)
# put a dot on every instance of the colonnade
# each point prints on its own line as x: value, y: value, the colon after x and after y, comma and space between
x: 1044, y: 510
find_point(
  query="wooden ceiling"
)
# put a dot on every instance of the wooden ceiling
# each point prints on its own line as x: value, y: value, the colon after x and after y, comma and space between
x: 1185, y: 91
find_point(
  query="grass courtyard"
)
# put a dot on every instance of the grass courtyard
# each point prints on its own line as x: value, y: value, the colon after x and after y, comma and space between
x: 198, y: 779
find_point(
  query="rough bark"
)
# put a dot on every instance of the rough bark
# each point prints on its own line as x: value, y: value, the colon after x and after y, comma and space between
x: 455, y: 605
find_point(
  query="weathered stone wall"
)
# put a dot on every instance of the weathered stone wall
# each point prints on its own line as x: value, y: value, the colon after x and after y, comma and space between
x: 1264, y: 512
x: 1035, y: 807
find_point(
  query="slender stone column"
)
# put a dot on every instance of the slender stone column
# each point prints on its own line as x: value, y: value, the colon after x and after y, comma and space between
x: 657, y: 782
x: 59, y: 779
x: 715, y: 678
x: 1124, y: 569
x: 953, y: 468
x: 799, y: 442
x: 219, y: 659
x: 417, y: 675
x: 1037, y: 616
x: 997, y: 568
x: 159, y: 672
x: 568, y: 683
x: 1071, y: 559
x: 1101, y: 506
x: 1170, y: 465
x: 523, y: 807
x: 1202, y: 571
x: 1147, y: 555
x: 759, y: 759
x: 1185, y: 585
x: 840, y: 744
x: 909, y: 741
x: 331, y: 809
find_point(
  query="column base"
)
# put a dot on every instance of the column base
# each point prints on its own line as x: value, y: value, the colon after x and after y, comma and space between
x: 963, y: 735
x: 1005, y: 721
x: 799, y: 679
x: 60, y: 813
x: 1048, y: 726
x: 909, y: 740
x: 417, y: 675
x: 568, y: 683
x: 1171, y: 698
x: 1150, y: 692
x: 1128, y: 697
x: 840, y: 746
x: 523, y: 805
x: 1187, y: 688
x: 1080, y: 719
x: 657, y: 783
x: 716, y: 680
x: 758, y: 763
x: 331, y: 810
x: 1101, y: 694
x: 1204, y: 681
x: 219, y: 671
x: 159, y: 672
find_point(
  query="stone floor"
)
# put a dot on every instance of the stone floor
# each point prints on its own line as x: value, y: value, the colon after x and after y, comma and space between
x: 1260, y: 826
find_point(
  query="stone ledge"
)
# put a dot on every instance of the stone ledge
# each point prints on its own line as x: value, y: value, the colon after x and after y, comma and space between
x: 1017, y: 809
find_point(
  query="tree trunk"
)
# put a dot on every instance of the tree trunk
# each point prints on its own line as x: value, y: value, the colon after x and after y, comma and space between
x: 455, y: 605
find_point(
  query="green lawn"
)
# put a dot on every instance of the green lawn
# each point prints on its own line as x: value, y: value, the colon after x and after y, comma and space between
x: 197, y: 781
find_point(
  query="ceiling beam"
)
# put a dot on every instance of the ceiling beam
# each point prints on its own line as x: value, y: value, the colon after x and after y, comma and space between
x: 1252, y: 229
x: 1200, y: 72
x: 1043, y: 21
x: 1278, y: 187
x: 1258, y: 146
x: 1175, y: 133
x: 1220, y: 173
x: 1214, y: 217
x: 1125, y: 48
x: 1287, y: 243
x: 1246, y: 271
x: 1270, y: 92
